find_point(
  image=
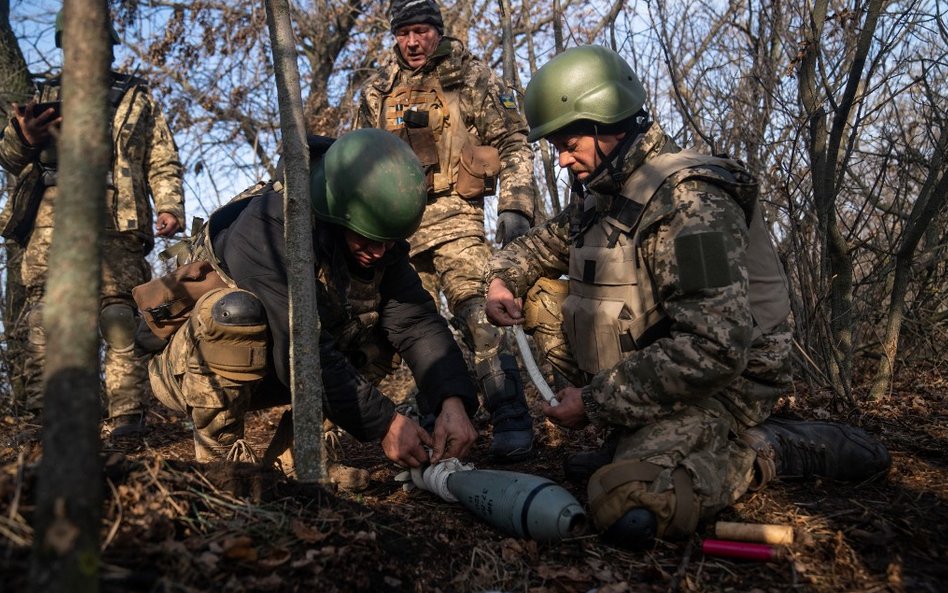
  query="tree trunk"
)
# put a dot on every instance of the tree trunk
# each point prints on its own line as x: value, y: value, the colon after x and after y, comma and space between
x: 69, y: 490
x: 305, y: 370
x: 930, y: 202
x: 827, y: 161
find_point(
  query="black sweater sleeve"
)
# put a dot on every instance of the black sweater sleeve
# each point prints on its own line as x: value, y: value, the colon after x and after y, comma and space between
x: 420, y: 334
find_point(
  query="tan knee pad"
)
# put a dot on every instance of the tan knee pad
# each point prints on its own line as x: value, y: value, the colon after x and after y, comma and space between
x: 543, y: 306
x: 543, y: 319
x: 231, y: 333
x: 618, y: 487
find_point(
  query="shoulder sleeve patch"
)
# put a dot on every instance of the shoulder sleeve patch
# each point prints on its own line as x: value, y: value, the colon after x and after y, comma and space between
x: 508, y: 101
x: 702, y: 261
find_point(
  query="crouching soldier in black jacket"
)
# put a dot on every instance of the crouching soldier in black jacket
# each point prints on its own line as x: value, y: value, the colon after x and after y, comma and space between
x: 231, y: 354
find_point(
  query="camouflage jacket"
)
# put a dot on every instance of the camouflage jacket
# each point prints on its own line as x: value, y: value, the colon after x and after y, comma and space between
x: 489, y: 113
x: 707, y: 345
x: 145, y: 164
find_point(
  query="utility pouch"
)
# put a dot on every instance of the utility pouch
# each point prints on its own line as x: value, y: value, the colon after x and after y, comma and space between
x: 423, y: 144
x: 415, y: 119
x: 166, y: 302
x: 477, y: 172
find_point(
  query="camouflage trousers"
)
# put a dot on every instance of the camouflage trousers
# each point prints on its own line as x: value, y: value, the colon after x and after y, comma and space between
x: 124, y: 367
x: 682, y: 462
x: 455, y: 268
x: 216, y: 372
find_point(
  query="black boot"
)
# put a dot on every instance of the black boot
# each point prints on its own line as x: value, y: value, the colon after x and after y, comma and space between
x: 126, y: 426
x: 507, y: 404
x: 580, y: 467
x: 805, y: 449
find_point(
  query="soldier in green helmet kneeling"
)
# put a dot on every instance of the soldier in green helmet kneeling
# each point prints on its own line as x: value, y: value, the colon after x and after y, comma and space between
x: 231, y: 353
x: 672, y: 325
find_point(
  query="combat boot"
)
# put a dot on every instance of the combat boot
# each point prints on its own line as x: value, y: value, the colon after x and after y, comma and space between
x: 505, y: 400
x: 126, y: 426
x: 578, y: 468
x: 805, y: 449
x: 499, y: 376
x: 219, y: 434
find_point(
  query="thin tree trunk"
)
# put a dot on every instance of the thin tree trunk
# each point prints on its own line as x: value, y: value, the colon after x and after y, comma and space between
x: 305, y: 370
x: 69, y: 490
x: 827, y: 160
x: 931, y: 201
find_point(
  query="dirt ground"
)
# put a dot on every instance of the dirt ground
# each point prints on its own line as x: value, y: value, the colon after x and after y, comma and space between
x: 171, y: 525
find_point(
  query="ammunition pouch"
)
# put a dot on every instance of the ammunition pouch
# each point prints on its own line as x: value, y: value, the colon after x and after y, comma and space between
x: 477, y: 172
x: 618, y: 487
x: 166, y: 302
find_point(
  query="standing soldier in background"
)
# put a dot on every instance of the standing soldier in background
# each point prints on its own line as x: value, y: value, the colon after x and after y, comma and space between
x: 145, y: 164
x: 463, y: 124
x: 675, y: 314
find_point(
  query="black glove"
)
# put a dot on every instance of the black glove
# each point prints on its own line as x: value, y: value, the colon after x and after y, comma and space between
x: 510, y: 225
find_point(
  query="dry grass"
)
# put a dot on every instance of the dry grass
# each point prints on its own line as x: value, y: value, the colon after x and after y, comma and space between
x: 173, y: 525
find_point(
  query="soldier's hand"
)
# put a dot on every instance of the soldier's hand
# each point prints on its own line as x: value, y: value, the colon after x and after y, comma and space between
x: 571, y: 412
x: 501, y: 307
x: 36, y: 130
x: 405, y: 441
x: 166, y: 224
x: 453, y: 432
x: 510, y: 225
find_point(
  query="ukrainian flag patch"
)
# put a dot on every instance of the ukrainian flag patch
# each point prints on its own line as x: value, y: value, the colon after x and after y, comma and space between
x: 508, y: 101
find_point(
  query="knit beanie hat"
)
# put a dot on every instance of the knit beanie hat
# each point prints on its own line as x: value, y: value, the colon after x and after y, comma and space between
x: 412, y: 12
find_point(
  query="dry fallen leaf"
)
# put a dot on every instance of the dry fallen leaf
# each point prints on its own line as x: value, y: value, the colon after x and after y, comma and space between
x: 305, y: 533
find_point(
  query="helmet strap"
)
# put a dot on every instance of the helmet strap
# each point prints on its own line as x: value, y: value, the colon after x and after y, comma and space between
x: 636, y: 126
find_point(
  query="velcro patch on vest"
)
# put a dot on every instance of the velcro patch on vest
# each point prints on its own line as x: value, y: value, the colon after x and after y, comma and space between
x: 702, y: 261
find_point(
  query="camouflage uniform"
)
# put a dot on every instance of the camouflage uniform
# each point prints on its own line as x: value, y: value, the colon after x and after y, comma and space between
x: 467, y: 105
x: 675, y: 326
x: 145, y: 164
x: 218, y: 366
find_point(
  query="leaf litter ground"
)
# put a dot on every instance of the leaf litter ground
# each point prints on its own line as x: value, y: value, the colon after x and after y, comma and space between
x: 173, y: 525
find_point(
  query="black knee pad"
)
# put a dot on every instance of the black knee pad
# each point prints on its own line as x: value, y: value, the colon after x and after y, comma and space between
x: 117, y: 324
x: 238, y: 308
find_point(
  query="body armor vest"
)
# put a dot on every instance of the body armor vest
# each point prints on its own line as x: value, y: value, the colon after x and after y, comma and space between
x: 429, y: 118
x: 612, y: 307
x: 353, y: 309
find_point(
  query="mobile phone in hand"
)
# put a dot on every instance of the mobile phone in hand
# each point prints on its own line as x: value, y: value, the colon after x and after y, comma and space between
x: 40, y: 108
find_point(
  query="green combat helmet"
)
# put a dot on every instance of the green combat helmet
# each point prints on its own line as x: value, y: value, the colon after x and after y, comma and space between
x: 590, y: 83
x: 60, y: 25
x: 372, y: 183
